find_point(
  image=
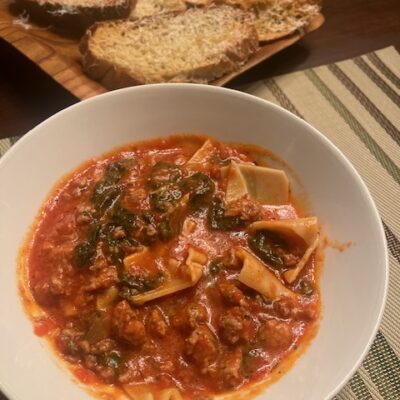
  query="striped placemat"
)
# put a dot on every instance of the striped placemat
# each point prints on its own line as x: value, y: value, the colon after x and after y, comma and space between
x: 356, y: 104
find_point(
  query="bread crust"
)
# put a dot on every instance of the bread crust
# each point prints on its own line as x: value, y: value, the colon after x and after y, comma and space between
x: 114, y: 77
x: 106, y: 73
x: 74, y: 19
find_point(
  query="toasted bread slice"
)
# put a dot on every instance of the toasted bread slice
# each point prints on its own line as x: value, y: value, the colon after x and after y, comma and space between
x: 146, y: 8
x: 74, y: 16
x: 243, y: 4
x: 278, y: 18
x: 200, y: 3
x: 198, y: 45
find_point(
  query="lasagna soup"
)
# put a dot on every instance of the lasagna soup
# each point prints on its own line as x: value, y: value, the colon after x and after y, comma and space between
x: 178, y: 268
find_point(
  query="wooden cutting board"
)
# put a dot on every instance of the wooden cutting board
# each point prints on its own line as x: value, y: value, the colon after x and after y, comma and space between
x: 59, y: 56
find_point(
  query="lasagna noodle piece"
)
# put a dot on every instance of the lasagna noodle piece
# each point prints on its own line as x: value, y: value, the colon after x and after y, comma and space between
x: 140, y: 396
x: 171, y: 286
x: 136, y: 258
x: 194, y: 264
x: 305, y: 228
x: 204, y: 153
x: 193, y: 271
x: 266, y: 185
x: 255, y: 275
x: 189, y: 225
x: 170, y: 394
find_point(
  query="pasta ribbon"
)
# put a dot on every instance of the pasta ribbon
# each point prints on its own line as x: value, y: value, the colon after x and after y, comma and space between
x: 266, y: 185
x: 192, y: 271
x: 194, y: 264
x: 170, y: 394
x: 203, y: 154
x: 255, y: 275
x: 306, y: 229
x: 189, y: 225
x: 136, y: 258
x: 138, y: 392
x: 172, y: 286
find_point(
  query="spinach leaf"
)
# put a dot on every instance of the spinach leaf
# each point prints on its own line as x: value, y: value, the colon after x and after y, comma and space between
x: 112, y: 359
x: 104, y: 195
x: 105, y: 191
x: 147, y: 217
x: 164, y: 173
x: 117, y: 248
x: 122, y: 217
x: 137, y: 284
x: 83, y: 254
x: 215, y: 267
x: 164, y: 199
x: 145, y: 230
x: 200, y: 187
x: 94, y: 232
x: 267, y: 245
x: 115, y: 171
x: 218, y: 220
x: 85, y: 251
x: 165, y: 230
x: 170, y: 225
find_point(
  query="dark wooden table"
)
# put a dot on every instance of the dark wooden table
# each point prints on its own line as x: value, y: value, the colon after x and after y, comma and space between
x: 28, y: 95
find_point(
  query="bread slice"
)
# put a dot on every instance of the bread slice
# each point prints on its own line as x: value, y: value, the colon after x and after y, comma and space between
x: 199, y: 3
x: 278, y: 18
x: 75, y: 16
x: 198, y: 45
x: 146, y: 8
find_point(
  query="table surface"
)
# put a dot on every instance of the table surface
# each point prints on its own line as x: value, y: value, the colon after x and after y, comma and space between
x: 352, y: 27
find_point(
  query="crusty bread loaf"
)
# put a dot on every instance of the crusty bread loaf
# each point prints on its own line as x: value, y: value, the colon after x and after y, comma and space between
x: 279, y: 18
x: 198, y: 45
x: 146, y: 8
x: 74, y: 16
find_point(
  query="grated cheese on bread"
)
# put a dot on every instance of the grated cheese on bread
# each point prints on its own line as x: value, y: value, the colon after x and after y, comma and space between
x: 275, y: 19
x: 198, y: 45
x: 145, y: 8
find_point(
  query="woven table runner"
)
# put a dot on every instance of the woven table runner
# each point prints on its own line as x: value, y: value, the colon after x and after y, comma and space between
x: 356, y: 104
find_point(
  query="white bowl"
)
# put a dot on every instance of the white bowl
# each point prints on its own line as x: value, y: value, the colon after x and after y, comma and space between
x: 354, y: 282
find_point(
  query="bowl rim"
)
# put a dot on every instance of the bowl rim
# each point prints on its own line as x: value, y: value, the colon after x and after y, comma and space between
x: 190, y: 87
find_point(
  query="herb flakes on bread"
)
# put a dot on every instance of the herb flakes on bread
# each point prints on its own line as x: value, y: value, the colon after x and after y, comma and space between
x: 198, y: 45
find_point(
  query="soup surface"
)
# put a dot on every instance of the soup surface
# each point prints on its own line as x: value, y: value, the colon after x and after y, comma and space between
x: 178, y: 267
